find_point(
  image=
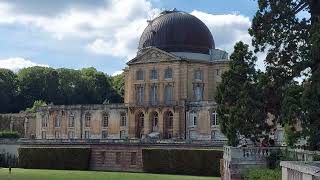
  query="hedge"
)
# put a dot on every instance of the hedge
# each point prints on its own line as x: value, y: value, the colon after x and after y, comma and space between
x: 182, y: 161
x: 262, y: 174
x: 54, y: 158
x: 9, y: 134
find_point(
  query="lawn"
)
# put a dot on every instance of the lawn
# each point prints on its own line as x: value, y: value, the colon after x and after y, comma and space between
x: 36, y: 174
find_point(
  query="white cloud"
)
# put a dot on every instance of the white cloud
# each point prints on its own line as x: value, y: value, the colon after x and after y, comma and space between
x: 115, y: 27
x: 226, y: 29
x: 15, y: 64
x: 117, y: 73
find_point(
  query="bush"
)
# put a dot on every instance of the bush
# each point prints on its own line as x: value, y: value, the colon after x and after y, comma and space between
x: 54, y: 158
x: 181, y: 161
x: 263, y: 174
x: 9, y: 134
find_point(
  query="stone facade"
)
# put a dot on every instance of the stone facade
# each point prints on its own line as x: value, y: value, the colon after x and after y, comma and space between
x: 23, y: 123
x: 166, y: 96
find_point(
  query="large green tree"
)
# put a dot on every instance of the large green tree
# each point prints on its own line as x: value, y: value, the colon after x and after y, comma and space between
x: 240, y: 101
x: 292, y: 43
x: 38, y: 83
x: 8, y: 91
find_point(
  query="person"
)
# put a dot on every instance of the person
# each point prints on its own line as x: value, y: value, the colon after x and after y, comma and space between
x: 9, y: 169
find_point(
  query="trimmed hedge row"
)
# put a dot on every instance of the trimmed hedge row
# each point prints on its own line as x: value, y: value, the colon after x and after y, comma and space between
x: 9, y: 134
x: 54, y: 158
x: 181, y: 161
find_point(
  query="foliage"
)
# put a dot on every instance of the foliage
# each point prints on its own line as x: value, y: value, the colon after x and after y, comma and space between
x: 291, y: 135
x: 9, y: 134
x: 8, y: 90
x: 57, y: 86
x: 36, y: 106
x: 36, y: 174
x: 180, y: 161
x: 118, y: 84
x: 262, y: 174
x: 292, y: 44
x: 240, y: 99
x: 54, y: 158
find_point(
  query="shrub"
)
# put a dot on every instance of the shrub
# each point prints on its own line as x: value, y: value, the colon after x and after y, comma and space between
x: 181, y: 161
x: 9, y: 134
x: 54, y: 158
x: 262, y: 174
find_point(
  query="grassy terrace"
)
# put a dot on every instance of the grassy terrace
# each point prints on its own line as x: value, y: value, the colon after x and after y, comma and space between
x: 35, y: 174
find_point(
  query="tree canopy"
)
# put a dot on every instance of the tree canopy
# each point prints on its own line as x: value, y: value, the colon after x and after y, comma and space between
x: 57, y: 86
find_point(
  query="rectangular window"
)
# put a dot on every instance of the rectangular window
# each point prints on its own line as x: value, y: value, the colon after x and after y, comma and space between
x: 198, y: 75
x: 168, y: 73
x: 71, y: 121
x: 118, y: 157
x: 218, y: 72
x: 104, y: 134
x: 168, y: 94
x: 154, y: 95
x: 43, y: 135
x: 44, y: 121
x: 57, y: 134
x: 154, y: 74
x: 140, y: 75
x: 57, y: 121
x: 87, y: 120
x: 71, y: 134
x: 213, y: 135
x: 122, y: 134
x: 140, y: 95
x: 133, y: 158
x: 199, y: 93
x: 105, y: 120
x: 193, y: 119
x: 123, y: 119
x: 87, y: 134
x: 214, y: 119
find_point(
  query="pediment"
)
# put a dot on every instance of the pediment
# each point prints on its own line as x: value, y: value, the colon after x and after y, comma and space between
x: 153, y: 55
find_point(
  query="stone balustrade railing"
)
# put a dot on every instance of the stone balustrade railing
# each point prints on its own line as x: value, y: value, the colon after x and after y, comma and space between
x: 248, y: 153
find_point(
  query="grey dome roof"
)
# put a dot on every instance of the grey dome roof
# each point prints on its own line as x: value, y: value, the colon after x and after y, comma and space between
x: 176, y: 31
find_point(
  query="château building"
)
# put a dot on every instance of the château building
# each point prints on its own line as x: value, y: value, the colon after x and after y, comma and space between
x: 169, y: 90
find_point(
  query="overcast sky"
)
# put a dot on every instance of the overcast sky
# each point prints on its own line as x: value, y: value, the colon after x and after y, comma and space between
x: 103, y: 33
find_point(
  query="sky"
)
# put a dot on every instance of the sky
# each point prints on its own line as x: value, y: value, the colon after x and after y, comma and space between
x: 103, y: 33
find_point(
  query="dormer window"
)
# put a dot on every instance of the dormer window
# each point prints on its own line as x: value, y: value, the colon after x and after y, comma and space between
x: 140, y: 75
x: 168, y: 73
x: 198, y: 75
x: 154, y: 74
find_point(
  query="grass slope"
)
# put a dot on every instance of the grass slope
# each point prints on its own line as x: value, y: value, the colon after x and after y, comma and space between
x: 35, y: 174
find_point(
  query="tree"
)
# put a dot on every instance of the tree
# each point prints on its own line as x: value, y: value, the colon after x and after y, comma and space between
x: 118, y: 85
x: 8, y: 91
x: 293, y: 46
x: 38, y: 83
x: 240, y: 101
x: 36, y: 105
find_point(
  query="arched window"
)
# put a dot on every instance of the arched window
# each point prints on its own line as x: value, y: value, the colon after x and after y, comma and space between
x: 87, y: 119
x: 141, y: 119
x: 168, y: 73
x: 154, y: 74
x: 140, y: 75
x: 169, y: 119
x: 155, y: 121
x: 105, y: 120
